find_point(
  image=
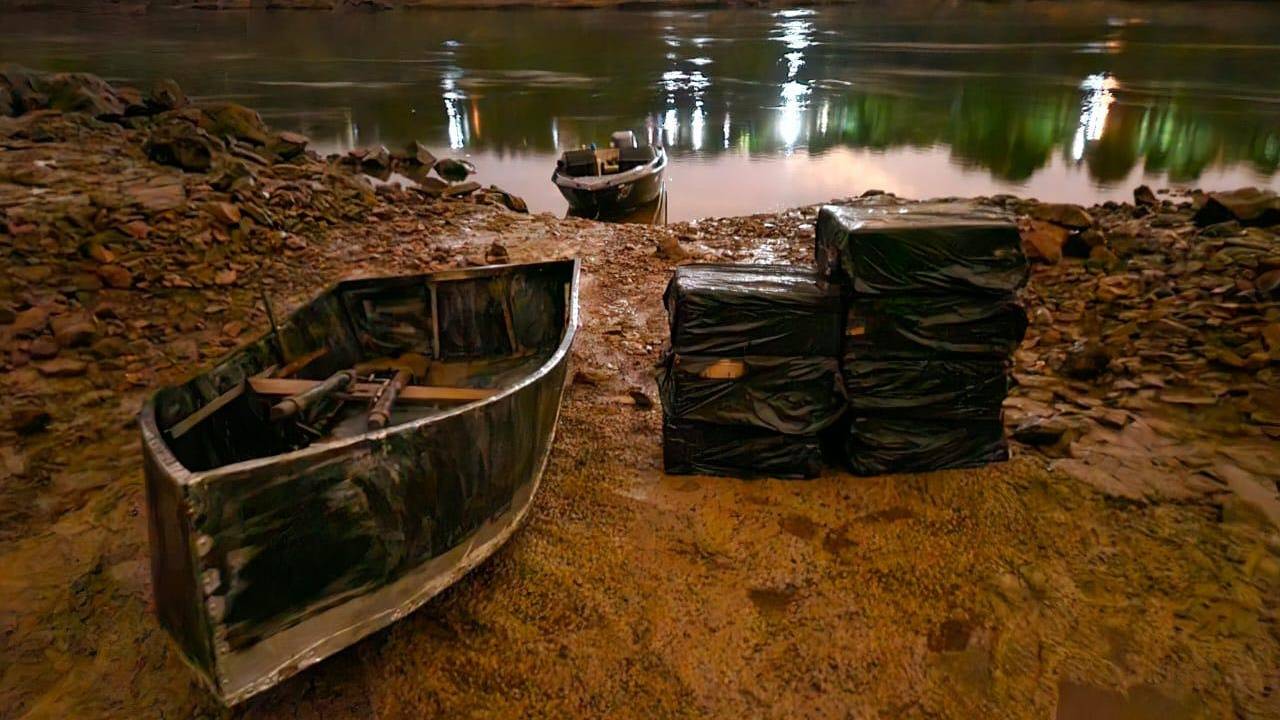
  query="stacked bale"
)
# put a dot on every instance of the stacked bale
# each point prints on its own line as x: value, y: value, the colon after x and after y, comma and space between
x: 751, y: 377
x: 931, y: 326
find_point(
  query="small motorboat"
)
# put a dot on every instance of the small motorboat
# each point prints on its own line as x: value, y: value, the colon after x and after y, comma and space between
x: 612, y: 181
x: 329, y: 478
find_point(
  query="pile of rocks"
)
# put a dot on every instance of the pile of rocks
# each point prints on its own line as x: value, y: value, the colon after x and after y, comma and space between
x: 112, y: 199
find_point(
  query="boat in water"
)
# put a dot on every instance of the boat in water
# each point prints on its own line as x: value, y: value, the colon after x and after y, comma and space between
x: 612, y: 181
x: 330, y: 477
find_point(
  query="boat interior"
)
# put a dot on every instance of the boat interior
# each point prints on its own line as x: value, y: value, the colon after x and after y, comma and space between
x: 369, y: 354
x: 622, y: 155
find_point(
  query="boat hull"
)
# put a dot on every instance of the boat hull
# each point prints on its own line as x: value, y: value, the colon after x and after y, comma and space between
x: 613, y: 199
x: 264, y: 567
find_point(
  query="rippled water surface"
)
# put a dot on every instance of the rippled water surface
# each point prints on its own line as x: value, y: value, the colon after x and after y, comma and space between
x: 761, y: 109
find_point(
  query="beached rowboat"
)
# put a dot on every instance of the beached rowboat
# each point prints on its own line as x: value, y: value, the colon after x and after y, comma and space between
x: 329, y: 478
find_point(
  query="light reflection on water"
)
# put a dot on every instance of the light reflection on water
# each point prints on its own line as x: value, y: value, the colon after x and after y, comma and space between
x: 759, y: 109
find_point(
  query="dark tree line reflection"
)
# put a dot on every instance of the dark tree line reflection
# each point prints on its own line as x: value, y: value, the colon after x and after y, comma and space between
x: 1006, y: 88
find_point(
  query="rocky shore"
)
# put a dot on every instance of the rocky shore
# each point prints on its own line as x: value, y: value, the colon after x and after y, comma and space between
x: 1128, y: 557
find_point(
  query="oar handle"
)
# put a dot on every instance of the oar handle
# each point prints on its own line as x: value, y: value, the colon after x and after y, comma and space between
x: 380, y: 415
x: 295, y: 404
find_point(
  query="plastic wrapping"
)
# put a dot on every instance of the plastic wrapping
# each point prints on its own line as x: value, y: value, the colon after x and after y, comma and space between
x: 740, y: 310
x: 950, y: 247
x: 797, y: 395
x: 696, y: 448
x: 921, y: 327
x: 880, y: 445
x: 930, y: 388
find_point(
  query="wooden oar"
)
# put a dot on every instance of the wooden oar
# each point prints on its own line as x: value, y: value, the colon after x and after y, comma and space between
x: 317, y: 391
x: 411, y: 393
x: 381, y: 412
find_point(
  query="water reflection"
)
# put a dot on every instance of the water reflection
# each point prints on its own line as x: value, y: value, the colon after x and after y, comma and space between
x: 455, y: 119
x: 795, y: 31
x: 1021, y: 98
x: 1098, y: 99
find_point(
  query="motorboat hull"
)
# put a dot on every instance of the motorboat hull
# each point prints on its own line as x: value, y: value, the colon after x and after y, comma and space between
x: 604, y: 197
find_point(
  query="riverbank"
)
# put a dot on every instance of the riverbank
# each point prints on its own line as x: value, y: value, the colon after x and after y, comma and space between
x: 1127, y: 557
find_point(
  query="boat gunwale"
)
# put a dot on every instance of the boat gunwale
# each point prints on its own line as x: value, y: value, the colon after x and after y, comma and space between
x: 595, y: 183
x: 153, y: 438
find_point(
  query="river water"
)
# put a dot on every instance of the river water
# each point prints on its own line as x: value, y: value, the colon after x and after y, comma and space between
x: 761, y: 109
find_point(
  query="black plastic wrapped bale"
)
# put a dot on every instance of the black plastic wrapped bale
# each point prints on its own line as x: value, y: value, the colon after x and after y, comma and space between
x: 795, y: 395
x: 888, y: 327
x: 696, y: 448
x: 880, y: 445
x: 929, y: 388
x: 950, y: 247
x: 740, y: 310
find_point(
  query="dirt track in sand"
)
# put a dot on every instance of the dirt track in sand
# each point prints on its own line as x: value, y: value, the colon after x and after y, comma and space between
x: 1009, y: 591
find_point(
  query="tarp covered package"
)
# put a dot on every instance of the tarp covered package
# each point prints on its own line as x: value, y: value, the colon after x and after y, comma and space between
x: 739, y: 310
x: 947, y: 247
x: 929, y: 388
x: 696, y: 448
x: 901, y: 326
x: 880, y: 445
x: 797, y: 395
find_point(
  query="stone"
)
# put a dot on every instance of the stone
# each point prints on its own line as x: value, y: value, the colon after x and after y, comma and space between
x: 496, y: 254
x: 454, y: 170
x: 29, y: 419
x: 182, y: 145
x: 115, y: 276
x: 1271, y: 336
x: 288, y: 145
x: 507, y: 200
x: 376, y: 160
x: 157, y: 194
x: 1040, y: 431
x: 234, y: 120
x: 462, y: 188
x: 73, y: 330
x: 669, y: 249
x: 81, y: 93
x: 1064, y: 214
x: 31, y: 321
x: 1249, y: 206
x: 62, y: 368
x: 432, y: 187
x: 43, y: 348
x: 1086, y: 360
x: 109, y: 347
x: 224, y: 213
x: 1143, y: 196
x: 418, y: 154
x: 1268, y: 283
x: 1043, y: 240
x: 165, y: 95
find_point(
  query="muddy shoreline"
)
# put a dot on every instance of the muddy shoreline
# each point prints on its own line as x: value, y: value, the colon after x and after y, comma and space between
x: 1127, y: 557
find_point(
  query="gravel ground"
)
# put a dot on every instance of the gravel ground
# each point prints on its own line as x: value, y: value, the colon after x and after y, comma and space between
x: 1121, y: 582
